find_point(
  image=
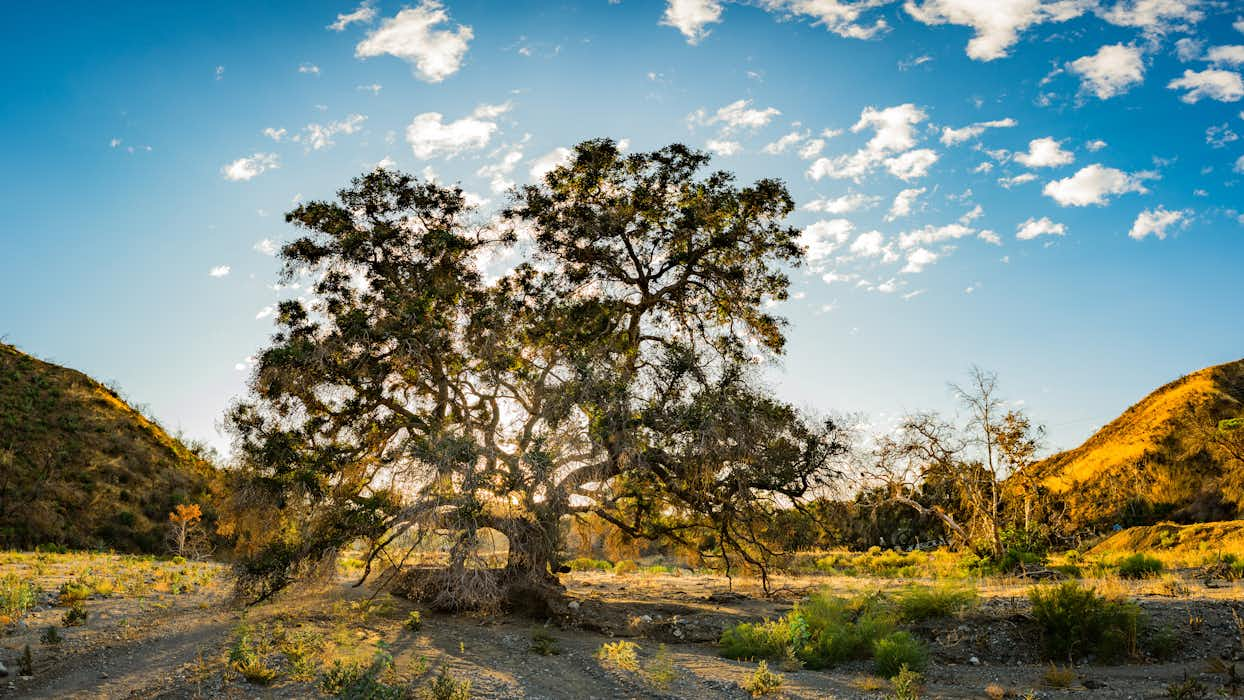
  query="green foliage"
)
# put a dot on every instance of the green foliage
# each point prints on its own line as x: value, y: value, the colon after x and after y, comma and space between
x: 920, y: 603
x: 763, y: 681
x: 660, y: 670
x: 620, y: 654
x: 1188, y: 689
x: 906, y: 684
x: 51, y: 636
x: 543, y: 643
x: 1163, y: 642
x: 1139, y: 565
x: 446, y: 687
x: 589, y: 564
x: 74, y: 591
x: 414, y: 621
x: 897, y: 651
x: 375, y: 681
x: 17, y: 596
x: 625, y: 567
x: 1074, y: 621
x: 76, y: 615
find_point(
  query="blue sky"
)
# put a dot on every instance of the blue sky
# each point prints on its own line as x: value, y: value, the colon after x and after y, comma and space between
x: 1052, y: 190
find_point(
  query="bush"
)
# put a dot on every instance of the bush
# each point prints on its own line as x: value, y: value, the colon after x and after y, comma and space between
x: 906, y: 684
x: 1139, y: 565
x: 414, y: 621
x: 753, y: 641
x: 763, y: 681
x: 919, y: 603
x: 898, y: 651
x: 17, y: 596
x: 589, y: 564
x: 543, y: 643
x: 1059, y: 677
x: 660, y: 670
x: 1075, y: 621
x: 1163, y: 642
x: 75, y: 616
x: 444, y: 687
x: 621, y: 654
x: 51, y: 636
x: 626, y: 566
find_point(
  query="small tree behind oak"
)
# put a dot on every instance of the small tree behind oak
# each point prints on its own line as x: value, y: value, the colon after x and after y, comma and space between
x: 610, y: 371
x: 185, y: 535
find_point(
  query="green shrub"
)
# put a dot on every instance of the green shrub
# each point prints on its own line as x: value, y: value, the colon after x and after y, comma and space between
x: 51, y: 636
x: 1075, y: 621
x: 897, y: 651
x: 75, y: 616
x: 763, y: 681
x: 752, y: 641
x: 17, y: 596
x: 626, y: 566
x: 621, y: 654
x: 377, y: 681
x: 543, y: 643
x: 660, y: 671
x: 919, y: 603
x: 1139, y: 565
x: 589, y: 564
x: 906, y: 684
x: 445, y: 687
x: 414, y: 621
x: 821, y: 632
x: 1162, y: 642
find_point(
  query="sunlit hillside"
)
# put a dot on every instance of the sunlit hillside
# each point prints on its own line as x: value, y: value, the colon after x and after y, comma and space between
x: 84, y: 469
x: 1147, y: 462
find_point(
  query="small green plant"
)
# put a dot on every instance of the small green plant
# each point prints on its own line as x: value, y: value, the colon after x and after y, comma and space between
x: 75, y: 616
x: 1139, y: 565
x: 621, y: 654
x: 340, y: 676
x: 256, y: 672
x: 1075, y: 621
x: 763, y: 681
x: 896, y: 651
x: 589, y: 564
x: 375, y: 681
x: 543, y: 643
x: 51, y: 636
x: 906, y: 684
x: 414, y: 621
x: 26, y: 663
x: 1189, y: 689
x: 74, y: 592
x: 1163, y: 642
x: 446, y: 687
x: 626, y: 566
x: 660, y: 670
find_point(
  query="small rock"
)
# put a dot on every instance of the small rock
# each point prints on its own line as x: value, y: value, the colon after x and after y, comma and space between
x: 103, y: 674
x: 573, y: 605
x: 646, y: 618
x: 3, y: 671
x: 974, y: 661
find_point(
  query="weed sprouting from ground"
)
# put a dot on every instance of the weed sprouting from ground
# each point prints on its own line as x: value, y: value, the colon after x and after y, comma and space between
x: 543, y: 643
x: 51, y: 636
x: 76, y: 615
x: 621, y: 654
x: 660, y: 671
x: 899, y: 650
x: 446, y: 687
x: 17, y: 597
x: 906, y: 684
x: 1059, y: 676
x: 763, y: 681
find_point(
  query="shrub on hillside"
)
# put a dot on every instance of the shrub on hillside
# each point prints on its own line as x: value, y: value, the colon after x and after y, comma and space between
x: 898, y: 651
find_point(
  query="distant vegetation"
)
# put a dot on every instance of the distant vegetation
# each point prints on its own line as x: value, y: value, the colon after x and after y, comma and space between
x: 80, y: 468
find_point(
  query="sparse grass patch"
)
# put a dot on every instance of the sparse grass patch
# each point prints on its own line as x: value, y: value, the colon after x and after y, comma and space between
x: 1059, y: 676
x: 543, y: 643
x: 76, y: 615
x: 589, y: 564
x: 919, y: 603
x: 906, y: 684
x: 17, y: 596
x: 51, y: 636
x: 660, y: 671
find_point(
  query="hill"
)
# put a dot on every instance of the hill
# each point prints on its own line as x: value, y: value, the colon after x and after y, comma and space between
x: 1152, y: 462
x: 81, y: 468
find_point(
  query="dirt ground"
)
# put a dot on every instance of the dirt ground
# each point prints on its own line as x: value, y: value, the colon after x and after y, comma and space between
x: 174, y: 643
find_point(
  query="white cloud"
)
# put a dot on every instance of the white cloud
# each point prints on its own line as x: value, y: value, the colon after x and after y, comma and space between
x: 822, y: 238
x: 1239, y: 165
x: 219, y: 271
x: 844, y: 204
x: 274, y: 134
x: 435, y: 54
x: 838, y: 16
x: 549, y: 161
x: 989, y: 237
x: 736, y: 116
x: 903, y: 202
x: 918, y: 259
x: 997, y: 23
x: 1221, y: 85
x: 1154, y: 17
x: 912, y: 164
x: 265, y: 247
x: 309, y: 68
x: 812, y: 149
x: 1021, y: 179
x: 363, y: 15
x: 975, y: 213
x: 930, y: 235
x: 318, y: 136
x: 1092, y: 184
x: 691, y: 17
x: 1032, y: 228
x: 1044, y: 152
x: 785, y: 142
x: 1187, y: 49
x: 265, y: 312
x: 497, y: 172
x: 1220, y: 135
x: 244, y: 169
x: 894, y: 132
x: 1113, y: 70
x: 490, y: 111
x: 430, y: 136
x: 374, y: 88
x: 723, y: 148
x: 951, y: 136
x: 1226, y: 55
x: 1156, y: 221
x: 870, y: 244
x: 1096, y: 145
